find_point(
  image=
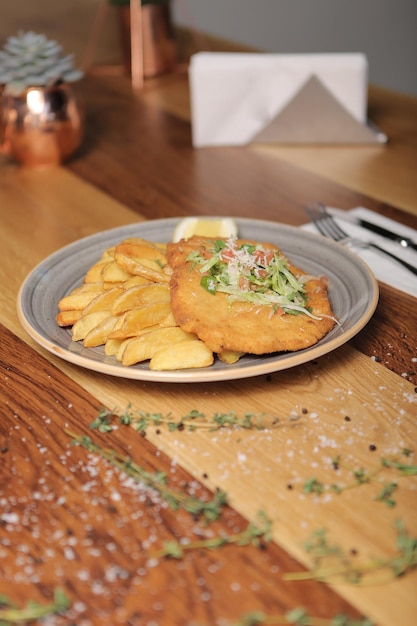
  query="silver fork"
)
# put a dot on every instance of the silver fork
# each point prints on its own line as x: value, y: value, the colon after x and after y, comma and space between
x: 327, y: 226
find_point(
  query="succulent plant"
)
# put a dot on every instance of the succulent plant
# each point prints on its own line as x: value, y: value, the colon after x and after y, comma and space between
x: 32, y: 60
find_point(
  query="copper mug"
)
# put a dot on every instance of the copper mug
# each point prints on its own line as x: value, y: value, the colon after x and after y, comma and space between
x: 41, y: 127
x: 158, y: 41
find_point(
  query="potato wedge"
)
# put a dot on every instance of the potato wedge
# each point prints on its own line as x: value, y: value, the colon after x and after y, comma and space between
x: 230, y: 356
x: 141, y: 266
x: 108, y: 255
x: 140, y: 295
x: 123, y: 342
x: 113, y: 273
x: 134, y: 281
x: 78, y: 299
x: 98, y: 335
x: 93, y: 287
x: 121, y: 348
x: 111, y: 284
x: 145, y: 347
x: 183, y: 355
x: 141, y: 249
x: 104, y: 301
x: 145, y: 242
x: 94, y: 273
x: 137, y: 319
x: 168, y: 321
x: 85, y: 324
x: 111, y: 346
x: 68, y: 318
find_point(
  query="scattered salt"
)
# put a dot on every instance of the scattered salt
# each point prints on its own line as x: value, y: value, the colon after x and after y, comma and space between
x: 69, y: 554
x: 115, y: 496
x: 10, y: 518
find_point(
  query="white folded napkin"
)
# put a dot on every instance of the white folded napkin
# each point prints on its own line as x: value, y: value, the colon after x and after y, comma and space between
x: 239, y: 98
x: 384, y: 268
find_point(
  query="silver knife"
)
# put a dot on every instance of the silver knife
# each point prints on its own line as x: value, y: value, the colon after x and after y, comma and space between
x: 405, y: 242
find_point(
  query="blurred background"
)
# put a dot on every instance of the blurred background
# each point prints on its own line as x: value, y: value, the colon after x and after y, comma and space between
x: 385, y: 30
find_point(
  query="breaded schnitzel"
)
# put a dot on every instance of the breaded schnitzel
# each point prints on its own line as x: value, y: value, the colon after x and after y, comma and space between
x: 247, y: 297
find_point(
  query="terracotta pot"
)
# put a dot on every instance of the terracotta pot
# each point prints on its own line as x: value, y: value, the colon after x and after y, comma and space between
x: 41, y: 127
x: 157, y: 37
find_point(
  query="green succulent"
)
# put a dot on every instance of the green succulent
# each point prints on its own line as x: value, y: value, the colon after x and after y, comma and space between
x: 32, y: 60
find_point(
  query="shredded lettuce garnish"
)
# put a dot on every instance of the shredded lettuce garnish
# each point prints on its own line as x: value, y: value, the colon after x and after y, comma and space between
x: 251, y: 273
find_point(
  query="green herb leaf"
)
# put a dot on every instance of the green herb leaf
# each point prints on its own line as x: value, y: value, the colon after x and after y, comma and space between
x: 33, y: 610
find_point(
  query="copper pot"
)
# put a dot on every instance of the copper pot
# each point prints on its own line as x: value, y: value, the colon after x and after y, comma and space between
x: 157, y: 38
x: 41, y: 127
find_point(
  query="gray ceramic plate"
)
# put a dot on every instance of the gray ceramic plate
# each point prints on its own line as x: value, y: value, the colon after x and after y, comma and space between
x: 353, y: 293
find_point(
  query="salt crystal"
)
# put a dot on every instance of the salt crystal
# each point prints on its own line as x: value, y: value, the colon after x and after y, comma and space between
x: 205, y: 596
x: 10, y: 518
x: 97, y: 588
x: 69, y: 554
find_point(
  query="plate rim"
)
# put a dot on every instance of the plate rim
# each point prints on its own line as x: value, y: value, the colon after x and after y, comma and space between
x: 197, y: 375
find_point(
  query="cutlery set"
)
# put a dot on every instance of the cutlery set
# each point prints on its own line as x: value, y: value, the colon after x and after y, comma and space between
x: 325, y: 223
x: 346, y: 216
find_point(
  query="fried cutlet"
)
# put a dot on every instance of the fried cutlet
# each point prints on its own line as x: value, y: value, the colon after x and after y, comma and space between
x: 224, y: 321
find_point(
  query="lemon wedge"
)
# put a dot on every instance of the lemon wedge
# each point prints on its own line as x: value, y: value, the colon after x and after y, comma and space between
x: 204, y: 227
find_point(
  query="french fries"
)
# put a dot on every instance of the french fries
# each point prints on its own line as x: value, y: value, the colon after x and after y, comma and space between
x: 124, y: 306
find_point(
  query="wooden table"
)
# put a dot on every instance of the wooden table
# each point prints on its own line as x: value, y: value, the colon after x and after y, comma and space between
x: 69, y: 519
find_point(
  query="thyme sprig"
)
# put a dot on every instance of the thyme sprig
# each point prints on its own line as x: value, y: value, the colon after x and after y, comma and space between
x: 325, y: 555
x: 193, y: 420
x: 210, y: 510
x: 11, y: 614
x: 299, y: 617
x: 361, y: 476
x: 254, y: 534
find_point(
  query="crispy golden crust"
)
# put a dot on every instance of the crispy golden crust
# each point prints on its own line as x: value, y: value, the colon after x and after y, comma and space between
x: 242, y: 326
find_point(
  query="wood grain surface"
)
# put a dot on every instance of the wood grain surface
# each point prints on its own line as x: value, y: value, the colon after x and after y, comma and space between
x: 382, y: 177
x: 70, y: 519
